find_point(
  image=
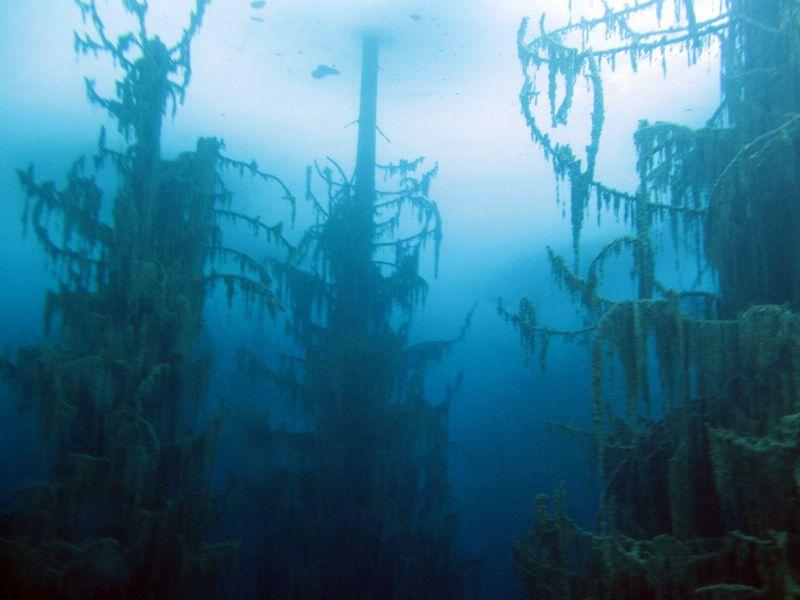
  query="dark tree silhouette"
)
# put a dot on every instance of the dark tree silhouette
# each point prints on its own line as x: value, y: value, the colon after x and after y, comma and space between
x: 125, y: 511
x: 702, y: 501
x: 358, y: 501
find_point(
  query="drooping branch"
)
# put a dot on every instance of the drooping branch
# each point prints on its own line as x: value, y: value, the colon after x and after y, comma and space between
x: 254, y: 171
x: 182, y: 50
x: 86, y: 44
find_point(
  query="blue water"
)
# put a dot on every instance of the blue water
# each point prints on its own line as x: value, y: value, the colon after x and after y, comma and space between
x: 278, y: 81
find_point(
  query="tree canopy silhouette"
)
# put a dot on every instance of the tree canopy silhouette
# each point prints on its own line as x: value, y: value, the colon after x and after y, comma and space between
x: 701, y: 501
x: 358, y: 498
x: 117, y: 388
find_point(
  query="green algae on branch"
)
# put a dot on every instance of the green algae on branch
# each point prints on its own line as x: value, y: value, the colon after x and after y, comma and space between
x: 685, y: 175
x: 125, y: 511
x: 703, y: 500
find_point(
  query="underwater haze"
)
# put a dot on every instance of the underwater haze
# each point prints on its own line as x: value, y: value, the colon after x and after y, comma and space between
x: 355, y: 299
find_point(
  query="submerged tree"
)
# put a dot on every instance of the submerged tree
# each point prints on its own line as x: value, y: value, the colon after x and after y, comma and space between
x: 358, y: 500
x: 704, y: 500
x: 125, y: 511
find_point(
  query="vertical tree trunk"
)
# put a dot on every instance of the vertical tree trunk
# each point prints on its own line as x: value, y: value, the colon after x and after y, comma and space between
x: 367, y: 122
x: 354, y: 266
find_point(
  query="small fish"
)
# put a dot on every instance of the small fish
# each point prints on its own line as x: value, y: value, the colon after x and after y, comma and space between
x: 323, y: 71
x: 414, y: 17
x: 259, y: 4
x: 257, y: 19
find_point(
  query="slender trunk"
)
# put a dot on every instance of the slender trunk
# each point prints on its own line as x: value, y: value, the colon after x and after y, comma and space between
x: 367, y: 122
x: 354, y: 268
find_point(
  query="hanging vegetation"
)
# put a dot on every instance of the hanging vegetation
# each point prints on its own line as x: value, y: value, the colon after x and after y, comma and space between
x: 703, y: 501
x: 357, y: 500
x: 125, y: 511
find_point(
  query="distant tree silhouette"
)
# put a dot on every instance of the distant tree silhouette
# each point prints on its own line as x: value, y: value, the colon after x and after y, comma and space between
x: 359, y: 501
x: 125, y: 511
